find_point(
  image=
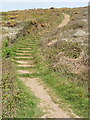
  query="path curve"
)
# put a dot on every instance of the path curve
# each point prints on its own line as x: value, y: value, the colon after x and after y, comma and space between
x: 64, y: 23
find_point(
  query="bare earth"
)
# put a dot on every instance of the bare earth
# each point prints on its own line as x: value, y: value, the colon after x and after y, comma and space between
x: 65, y: 21
x: 50, y: 109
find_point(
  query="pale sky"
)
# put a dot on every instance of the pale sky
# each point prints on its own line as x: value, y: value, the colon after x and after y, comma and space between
x: 6, y: 5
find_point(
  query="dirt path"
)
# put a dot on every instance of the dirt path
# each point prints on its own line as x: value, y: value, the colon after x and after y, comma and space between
x: 64, y: 22
x: 50, y: 108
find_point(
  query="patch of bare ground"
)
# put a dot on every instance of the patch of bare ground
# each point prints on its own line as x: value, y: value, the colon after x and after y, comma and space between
x: 23, y: 54
x: 24, y: 72
x: 74, y: 65
x: 53, y: 42
x: 22, y: 65
x: 24, y: 57
x: 24, y: 51
x: 25, y: 48
x: 24, y: 62
x: 65, y: 21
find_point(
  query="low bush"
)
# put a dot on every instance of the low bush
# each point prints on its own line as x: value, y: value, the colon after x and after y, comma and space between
x: 11, y: 23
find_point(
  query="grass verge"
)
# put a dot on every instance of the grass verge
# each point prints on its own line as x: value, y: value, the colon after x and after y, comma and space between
x: 28, y: 103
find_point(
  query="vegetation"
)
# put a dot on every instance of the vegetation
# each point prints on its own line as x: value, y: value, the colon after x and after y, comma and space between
x: 18, y: 101
x: 40, y: 29
x: 66, y: 89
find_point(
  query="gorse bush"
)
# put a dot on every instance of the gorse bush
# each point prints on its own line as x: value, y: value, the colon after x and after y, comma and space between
x: 11, y: 23
x: 6, y: 43
x: 7, y: 52
x: 12, y: 16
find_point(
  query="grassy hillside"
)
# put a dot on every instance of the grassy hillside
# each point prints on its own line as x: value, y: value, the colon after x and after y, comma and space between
x: 17, y: 100
x: 62, y: 66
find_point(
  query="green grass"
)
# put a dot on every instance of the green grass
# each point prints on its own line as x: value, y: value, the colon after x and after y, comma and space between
x: 23, y: 58
x: 10, y: 91
x: 24, y: 49
x: 23, y: 55
x: 28, y: 103
x: 18, y: 100
x: 29, y: 75
x: 26, y: 68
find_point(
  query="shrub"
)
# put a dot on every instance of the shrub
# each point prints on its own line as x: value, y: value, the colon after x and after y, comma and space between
x: 6, y: 51
x: 4, y: 13
x: 11, y: 23
x: 12, y: 16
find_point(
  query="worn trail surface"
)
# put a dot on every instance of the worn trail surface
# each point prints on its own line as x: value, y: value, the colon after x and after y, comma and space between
x: 64, y: 23
x: 50, y: 109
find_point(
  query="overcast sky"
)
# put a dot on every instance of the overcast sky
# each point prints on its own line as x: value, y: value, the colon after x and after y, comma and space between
x: 6, y: 5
